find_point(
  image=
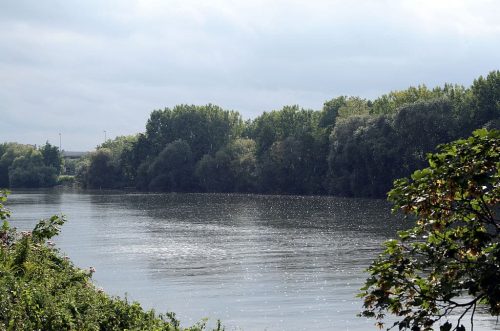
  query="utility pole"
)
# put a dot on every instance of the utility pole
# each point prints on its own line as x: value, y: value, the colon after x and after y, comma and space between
x: 105, y: 138
x: 60, y: 145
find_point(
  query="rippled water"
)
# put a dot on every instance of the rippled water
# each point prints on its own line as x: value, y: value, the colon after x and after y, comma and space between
x: 255, y: 262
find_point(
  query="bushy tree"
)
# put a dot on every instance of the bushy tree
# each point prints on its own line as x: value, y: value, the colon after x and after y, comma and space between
x: 291, y: 149
x: 422, y: 126
x: 172, y: 170
x: 354, y: 106
x: 363, y: 156
x: 29, y: 171
x: 486, y: 100
x: 243, y: 164
x: 449, y: 262
x: 391, y: 102
x: 123, y: 158
x: 100, y: 171
x: 52, y: 157
x: 25, y: 166
x: 330, y: 111
x: 10, y: 151
x: 214, y: 173
x: 204, y: 128
x: 233, y: 168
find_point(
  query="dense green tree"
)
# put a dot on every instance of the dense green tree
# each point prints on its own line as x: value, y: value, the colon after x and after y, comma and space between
x: 354, y: 106
x: 391, y: 102
x: 330, y: 112
x: 422, y: 126
x: 122, y: 154
x: 214, y: 173
x: 486, y: 100
x: 362, y: 156
x: 282, y: 169
x: 368, y: 152
x: 99, y: 170
x: 29, y: 171
x: 233, y: 168
x: 290, y: 121
x: 449, y: 262
x: 205, y: 128
x: 10, y: 151
x: 172, y: 170
x: 243, y: 164
x: 352, y: 146
x: 25, y: 166
x: 52, y: 157
x: 206, y: 173
x: 291, y: 149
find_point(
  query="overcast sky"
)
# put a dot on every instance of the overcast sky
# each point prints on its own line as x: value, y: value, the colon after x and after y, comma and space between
x: 81, y: 67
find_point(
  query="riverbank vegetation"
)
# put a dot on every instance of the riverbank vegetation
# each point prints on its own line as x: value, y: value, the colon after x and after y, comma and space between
x: 448, y: 264
x: 351, y: 147
x: 40, y: 289
x: 29, y: 166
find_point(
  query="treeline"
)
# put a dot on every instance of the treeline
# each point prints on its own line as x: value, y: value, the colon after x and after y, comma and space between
x: 352, y: 147
x: 28, y: 166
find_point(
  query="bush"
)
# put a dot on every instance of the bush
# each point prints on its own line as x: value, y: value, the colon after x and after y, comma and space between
x: 66, y: 180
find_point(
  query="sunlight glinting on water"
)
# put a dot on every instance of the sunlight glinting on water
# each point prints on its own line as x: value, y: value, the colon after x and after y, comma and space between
x: 256, y: 262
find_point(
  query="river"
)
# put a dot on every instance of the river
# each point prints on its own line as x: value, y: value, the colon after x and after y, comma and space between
x: 255, y: 262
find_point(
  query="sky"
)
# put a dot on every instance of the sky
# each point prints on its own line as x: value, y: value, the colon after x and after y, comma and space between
x: 78, y: 70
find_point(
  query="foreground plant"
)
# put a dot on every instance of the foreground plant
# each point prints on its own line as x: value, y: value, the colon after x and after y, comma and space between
x: 42, y: 290
x: 449, y: 263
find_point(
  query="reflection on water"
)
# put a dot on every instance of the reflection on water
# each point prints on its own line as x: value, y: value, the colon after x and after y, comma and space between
x: 256, y: 262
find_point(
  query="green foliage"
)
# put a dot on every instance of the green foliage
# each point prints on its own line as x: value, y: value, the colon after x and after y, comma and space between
x: 25, y: 166
x: 449, y: 262
x: 354, y: 106
x: 66, y: 180
x: 29, y: 170
x: 368, y: 152
x: 486, y: 100
x: 291, y: 121
x: 391, y: 102
x: 351, y: 147
x: 109, y: 166
x: 4, y: 212
x: 330, y: 111
x: 242, y: 164
x: 122, y: 149
x: 291, y: 148
x: 205, y: 128
x: 362, y: 156
x: 100, y: 171
x: 52, y: 157
x: 70, y: 166
x: 41, y: 290
x: 422, y: 126
x: 172, y: 169
x: 233, y: 168
x: 10, y: 151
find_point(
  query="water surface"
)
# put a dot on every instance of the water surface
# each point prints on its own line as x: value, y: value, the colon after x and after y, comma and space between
x: 255, y: 262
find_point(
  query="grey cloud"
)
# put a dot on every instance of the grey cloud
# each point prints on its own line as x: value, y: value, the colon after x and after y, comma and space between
x: 82, y: 67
